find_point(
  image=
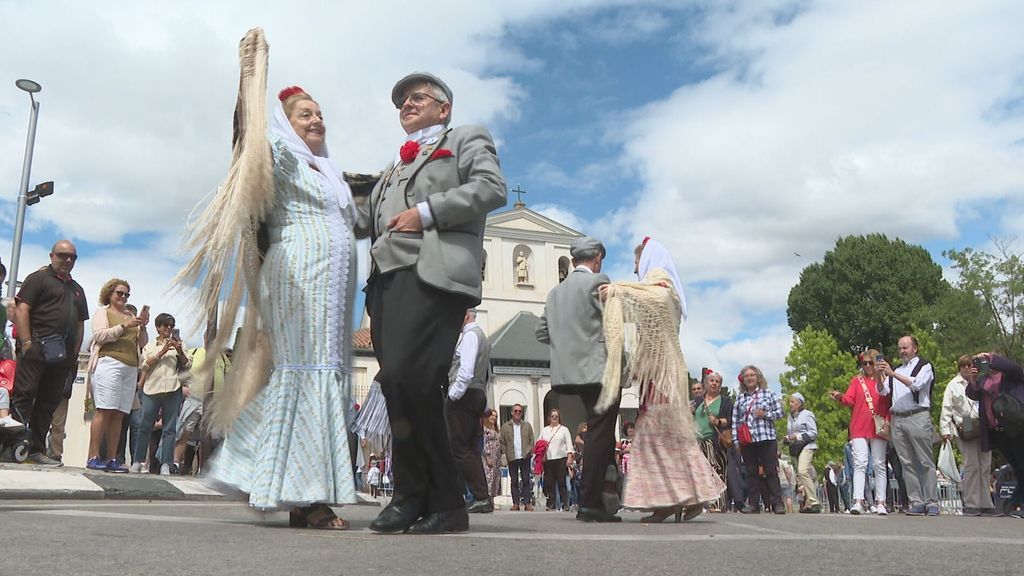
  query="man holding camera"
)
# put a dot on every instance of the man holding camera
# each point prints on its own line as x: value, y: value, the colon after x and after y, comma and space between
x: 910, y: 386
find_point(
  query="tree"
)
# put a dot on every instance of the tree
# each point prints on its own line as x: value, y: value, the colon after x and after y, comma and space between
x: 997, y: 280
x: 868, y: 291
x: 818, y: 366
x: 960, y: 323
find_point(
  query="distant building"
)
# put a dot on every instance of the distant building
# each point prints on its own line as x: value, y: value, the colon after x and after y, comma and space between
x: 527, y: 254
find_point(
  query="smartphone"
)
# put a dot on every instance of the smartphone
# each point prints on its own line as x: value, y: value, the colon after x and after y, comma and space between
x: 145, y: 309
x: 879, y: 358
x: 176, y: 334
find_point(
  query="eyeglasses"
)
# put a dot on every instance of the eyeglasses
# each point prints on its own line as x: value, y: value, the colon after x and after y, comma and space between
x: 418, y: 99
x: 65, y: 256
x: 517, y: 411
x: 123, y: 294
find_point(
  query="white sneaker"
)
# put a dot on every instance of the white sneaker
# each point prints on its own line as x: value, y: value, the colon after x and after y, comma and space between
x: 11, y: 424
x: 856, y: 509
x: 165, y: 469
x: 136, y: 468
x: 882, y: 511
x: 874, y: 509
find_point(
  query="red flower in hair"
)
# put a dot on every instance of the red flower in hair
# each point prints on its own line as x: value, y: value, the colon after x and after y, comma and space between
x: 441, y: 153
x: 288, y: 92
x: 646, y: 238
x: 408, y: 151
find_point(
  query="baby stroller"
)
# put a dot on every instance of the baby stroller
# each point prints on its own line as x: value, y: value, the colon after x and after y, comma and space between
x: 14, y: 442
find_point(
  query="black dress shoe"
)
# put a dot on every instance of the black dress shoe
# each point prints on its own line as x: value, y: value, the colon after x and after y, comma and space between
x: 481, y: 506
x: 748, y: 509
x: 396, y: 516
x: 456, y: 520
x: 596, y: 515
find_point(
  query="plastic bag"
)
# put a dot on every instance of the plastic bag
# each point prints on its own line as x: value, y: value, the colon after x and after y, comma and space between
x: 947, y: 462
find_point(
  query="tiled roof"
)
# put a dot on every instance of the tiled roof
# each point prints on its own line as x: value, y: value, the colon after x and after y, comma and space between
x: 515, y: 344
x: 361, y: 339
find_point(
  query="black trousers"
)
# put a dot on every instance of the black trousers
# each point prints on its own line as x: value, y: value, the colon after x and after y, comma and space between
x: 555, y: 473
x: 466, y: 433
x: 1013, y: 451
x: 414, y: 328
x: 38, y: 390
x: 599, y: 450
x: 519, y: 477
x: 763, y: 454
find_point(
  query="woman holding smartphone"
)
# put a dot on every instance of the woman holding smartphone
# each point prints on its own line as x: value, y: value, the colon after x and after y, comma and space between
x: 865, y: 402
x: 163, y: 362
x: 117, y: 335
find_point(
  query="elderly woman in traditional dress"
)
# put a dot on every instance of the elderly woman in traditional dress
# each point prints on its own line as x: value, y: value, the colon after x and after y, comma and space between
x: 712, y: 415
x: 287, y: 401
x: 117, y: 336
x: 669, y: 474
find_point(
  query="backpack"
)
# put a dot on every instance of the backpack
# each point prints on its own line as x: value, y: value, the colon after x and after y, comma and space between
x: 1009, y: 413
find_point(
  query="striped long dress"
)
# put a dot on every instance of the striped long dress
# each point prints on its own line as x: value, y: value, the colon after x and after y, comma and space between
x: 289, y: 447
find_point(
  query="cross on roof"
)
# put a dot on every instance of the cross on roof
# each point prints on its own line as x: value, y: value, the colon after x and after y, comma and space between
x: 519, y: 197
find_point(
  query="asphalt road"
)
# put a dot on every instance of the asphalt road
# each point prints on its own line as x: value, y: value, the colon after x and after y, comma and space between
x: 105, y: 538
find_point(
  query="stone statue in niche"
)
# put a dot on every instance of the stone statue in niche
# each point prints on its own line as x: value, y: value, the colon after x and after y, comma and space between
x: 522, y: 268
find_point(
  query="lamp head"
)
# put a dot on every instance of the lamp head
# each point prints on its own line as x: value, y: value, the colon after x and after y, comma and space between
x: 30, y: 86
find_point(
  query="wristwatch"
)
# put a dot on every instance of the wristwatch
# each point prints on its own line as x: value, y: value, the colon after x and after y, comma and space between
x: 25, y: 346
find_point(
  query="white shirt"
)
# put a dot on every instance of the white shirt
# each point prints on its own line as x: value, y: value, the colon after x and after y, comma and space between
x: 517, y: 440
x: 422, y: 136
x: 465, y: 352
x: 558, y: 440
x: 902, y: 397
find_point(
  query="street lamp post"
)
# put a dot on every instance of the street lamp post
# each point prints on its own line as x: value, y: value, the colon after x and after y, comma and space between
x: 26, y: 170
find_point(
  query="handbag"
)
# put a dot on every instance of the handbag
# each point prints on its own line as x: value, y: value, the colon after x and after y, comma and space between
x: 743, y: 435
x: 970, y: 427
x: 725, y: 438
x: 53, y: 349
x: 881, y: 424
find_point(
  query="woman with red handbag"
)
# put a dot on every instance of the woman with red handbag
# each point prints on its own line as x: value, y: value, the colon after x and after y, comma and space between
x: 753, y: 416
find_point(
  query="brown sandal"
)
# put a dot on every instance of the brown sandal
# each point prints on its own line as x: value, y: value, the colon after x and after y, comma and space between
x: 319, y: 516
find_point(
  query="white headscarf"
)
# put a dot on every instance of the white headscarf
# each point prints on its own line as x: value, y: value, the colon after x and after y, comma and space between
x: 655, y: 255
x: 282, y: 128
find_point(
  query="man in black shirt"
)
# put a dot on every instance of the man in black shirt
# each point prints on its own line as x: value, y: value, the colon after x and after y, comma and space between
x: 49, y: 304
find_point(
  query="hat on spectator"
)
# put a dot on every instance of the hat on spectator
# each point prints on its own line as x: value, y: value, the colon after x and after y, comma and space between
x: 798, y: 396
x: 585, y: 244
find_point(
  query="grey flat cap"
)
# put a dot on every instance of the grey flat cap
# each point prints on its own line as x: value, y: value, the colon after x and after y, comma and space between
x: 396, y: 92
x: 585, y: 244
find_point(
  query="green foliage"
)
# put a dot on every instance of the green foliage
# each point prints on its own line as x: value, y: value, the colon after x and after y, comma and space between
x: 960, y: 323
x: 868, y: 291
x: 996, y: 279
x: 818, y: 366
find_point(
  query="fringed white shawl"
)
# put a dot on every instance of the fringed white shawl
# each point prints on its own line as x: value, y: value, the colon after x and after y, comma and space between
x: 226, y: 260
x: 656, y: 360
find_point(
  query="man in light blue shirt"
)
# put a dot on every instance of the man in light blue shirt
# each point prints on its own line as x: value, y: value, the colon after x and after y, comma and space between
x: 910, y: 386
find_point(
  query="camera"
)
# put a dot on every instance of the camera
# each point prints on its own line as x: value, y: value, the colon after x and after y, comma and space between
x: 983, y: 366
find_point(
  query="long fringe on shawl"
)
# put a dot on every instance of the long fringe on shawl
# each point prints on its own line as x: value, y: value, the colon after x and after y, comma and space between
x: 649, y: 313
x: 223, y: 240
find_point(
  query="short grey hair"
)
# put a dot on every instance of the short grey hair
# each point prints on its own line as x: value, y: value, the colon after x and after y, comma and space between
x: 442, y: 98
x: 471, y: 313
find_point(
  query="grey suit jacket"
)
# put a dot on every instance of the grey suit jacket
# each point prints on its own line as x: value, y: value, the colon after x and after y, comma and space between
x: 572, y: 325
x: 460, y: 179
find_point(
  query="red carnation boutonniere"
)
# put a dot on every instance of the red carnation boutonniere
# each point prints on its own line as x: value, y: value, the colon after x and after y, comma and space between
x: 441, y: 153
x: 408, y: 151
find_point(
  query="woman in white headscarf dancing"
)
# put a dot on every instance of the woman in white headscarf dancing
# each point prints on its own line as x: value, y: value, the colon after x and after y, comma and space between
x: 668, y: 472
x: 278, y: 238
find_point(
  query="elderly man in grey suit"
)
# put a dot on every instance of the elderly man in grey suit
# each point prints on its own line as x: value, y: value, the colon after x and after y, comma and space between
x: 572, y: 325
x: 426, y: 218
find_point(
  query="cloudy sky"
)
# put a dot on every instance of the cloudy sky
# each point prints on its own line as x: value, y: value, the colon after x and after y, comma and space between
x: 747, y: 136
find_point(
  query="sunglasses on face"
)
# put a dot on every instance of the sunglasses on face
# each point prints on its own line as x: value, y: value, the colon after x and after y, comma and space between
x: 517, y: 411
x: 122, y: 294
x: 66, y: 256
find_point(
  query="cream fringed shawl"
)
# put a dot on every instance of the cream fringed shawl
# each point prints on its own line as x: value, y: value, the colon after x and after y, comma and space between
x: 641, y: 322
x: 223, y: 240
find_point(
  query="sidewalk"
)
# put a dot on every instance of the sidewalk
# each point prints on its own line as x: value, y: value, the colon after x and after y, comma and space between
x: 30, y: 482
